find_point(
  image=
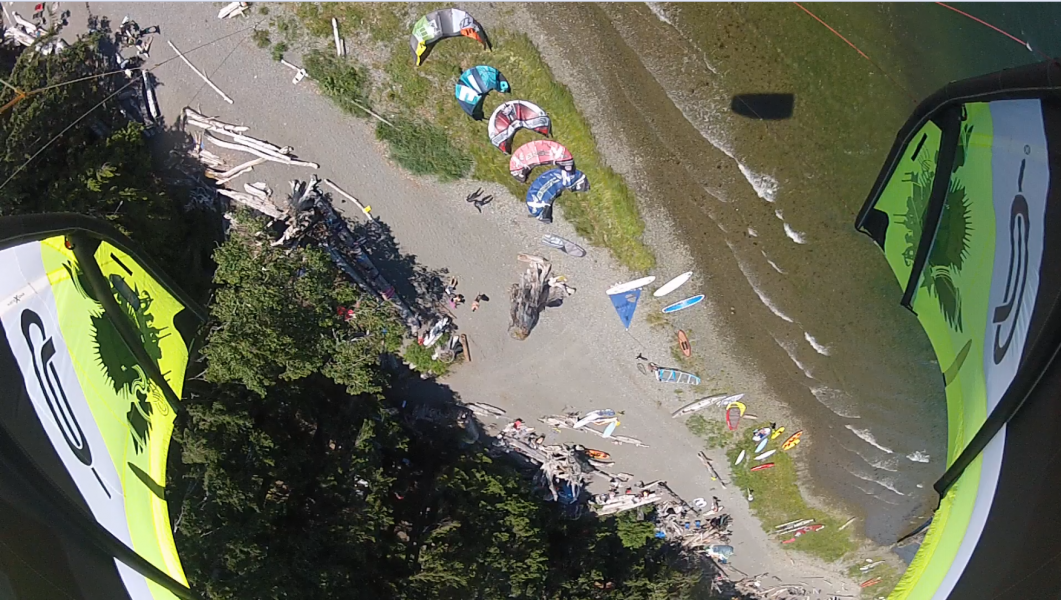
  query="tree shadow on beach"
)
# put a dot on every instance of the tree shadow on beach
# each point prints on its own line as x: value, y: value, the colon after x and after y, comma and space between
x: 421, y: 287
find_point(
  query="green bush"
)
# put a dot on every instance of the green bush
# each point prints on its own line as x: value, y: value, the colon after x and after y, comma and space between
x: 339, y: 80
x: 425, y: 149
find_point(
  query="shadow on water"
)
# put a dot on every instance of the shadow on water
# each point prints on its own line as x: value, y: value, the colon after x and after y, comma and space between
x: 764, y: 107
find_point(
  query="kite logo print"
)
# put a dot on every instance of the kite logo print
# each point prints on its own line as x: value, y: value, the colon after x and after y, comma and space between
x: 1017, y: 277
x: 52, y: 386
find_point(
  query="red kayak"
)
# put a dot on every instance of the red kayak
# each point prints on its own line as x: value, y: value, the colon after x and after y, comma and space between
x: 761, y: 467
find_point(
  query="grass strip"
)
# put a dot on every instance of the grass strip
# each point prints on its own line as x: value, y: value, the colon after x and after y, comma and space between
x: 777, y: 500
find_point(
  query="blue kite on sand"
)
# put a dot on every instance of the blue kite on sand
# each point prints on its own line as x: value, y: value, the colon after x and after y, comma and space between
x: 625, y: 304
x: 473, y: 86
x: 548, y: 186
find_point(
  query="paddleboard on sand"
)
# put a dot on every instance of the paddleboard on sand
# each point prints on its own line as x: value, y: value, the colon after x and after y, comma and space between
x: 765, y: 455
x: 673, y: 284
x: 777, y: 432
x: 684, y: 304
x: 629, y: 286
x: 740, y: 458
x: 762, y: 467
x: 762, y: 444
x: 734, y: 412
x: 683, y: 343
x: 791, y: 442
x: 564, y: 245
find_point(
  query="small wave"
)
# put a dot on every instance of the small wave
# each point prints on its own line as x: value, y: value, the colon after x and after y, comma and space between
x: 886, y: 484
x: 820, y: 349
x: 836, y: 401
x: 660, y: 12
x: 889, y: 463
x: 772, y: 263
x: 918, y: 456
x: 790, y: 351
x: 753, y: 232
x: 765, y: 186
x: 795, y: 236
x: 866, y: 436
x: 778, y: 214
x: 773, y: 308
x: 750, y: 277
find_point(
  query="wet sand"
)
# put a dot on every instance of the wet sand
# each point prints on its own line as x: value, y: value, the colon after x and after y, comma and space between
x: 766, y: 210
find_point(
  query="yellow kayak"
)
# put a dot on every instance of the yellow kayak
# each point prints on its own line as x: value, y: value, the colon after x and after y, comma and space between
x: 777, y: 432
x: 791, y: 442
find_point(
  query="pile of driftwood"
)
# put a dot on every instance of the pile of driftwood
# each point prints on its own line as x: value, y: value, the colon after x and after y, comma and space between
x: 535, y: 290
x: 26, y: 33
x: 559, y: 465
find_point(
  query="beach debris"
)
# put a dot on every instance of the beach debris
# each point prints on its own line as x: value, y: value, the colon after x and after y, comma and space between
x: 721, y: 553
x: 223, y: 95
x: 700, y: 503
x: 367, y: 210
x: 441, y: 24
x: 27, y: 33
x: 467, y: 348
x: 529, y: 298
x: 259, y: 190
x: 435, y: 333
x: 473, y: 86
x: 625, y: 439
x: 340, y: 43
x: 548, y: 186
x: 848, y: 522
x: 300, y: 73
x: 484, y: 409
x: 241, y: 141
x: 593, y: 416
x: 711, y: 467
x: 232, y: 10
x: 252, y: 201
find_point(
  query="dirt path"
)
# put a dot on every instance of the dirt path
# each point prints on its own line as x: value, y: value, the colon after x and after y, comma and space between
x: 577, y: 357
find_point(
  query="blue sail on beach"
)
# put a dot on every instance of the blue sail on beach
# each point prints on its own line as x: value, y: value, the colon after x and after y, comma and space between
x: 625, y: 304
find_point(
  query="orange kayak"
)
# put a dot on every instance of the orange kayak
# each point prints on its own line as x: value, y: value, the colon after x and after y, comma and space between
x: 683, y: 343
x: 598, y: 454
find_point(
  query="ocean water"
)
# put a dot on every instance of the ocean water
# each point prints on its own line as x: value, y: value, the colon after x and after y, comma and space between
x: 767, y: 206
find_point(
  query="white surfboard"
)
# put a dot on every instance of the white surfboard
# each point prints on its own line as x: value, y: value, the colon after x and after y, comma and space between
x: 740, y: 458
x: 673, y: 284
x: 765, y: 455
x: 622, y: 288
